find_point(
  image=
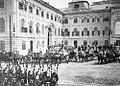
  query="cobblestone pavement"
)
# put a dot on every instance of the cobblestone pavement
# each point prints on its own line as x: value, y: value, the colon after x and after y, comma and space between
x: 89, y: 74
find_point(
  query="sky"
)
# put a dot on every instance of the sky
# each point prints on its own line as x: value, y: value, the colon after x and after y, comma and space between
x: 64, y: 3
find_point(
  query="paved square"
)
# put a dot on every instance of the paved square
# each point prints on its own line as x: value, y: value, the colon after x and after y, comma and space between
x: 89, y: 74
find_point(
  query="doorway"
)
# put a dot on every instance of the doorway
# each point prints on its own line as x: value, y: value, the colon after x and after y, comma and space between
x: 75, y: 43
x: 31, y: 46
x: 49, y: 37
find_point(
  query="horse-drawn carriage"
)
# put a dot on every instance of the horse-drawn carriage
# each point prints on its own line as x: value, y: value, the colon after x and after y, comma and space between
x: 108, y: 55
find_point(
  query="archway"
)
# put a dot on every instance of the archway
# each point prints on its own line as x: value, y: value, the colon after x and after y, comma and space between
x: 75, y: 43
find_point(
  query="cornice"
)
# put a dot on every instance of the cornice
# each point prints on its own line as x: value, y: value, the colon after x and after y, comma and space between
x: 86, y: 12
x: 49, y: 6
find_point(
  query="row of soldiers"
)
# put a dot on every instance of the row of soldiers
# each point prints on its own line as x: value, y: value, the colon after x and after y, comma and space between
x: 16, y: 75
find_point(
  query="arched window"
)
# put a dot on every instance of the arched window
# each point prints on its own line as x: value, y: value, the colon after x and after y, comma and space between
x: 96, y: 32
x: 66, y: 32
x: 75, y: 20
x: 2, y: 25
x: 117, y: 27
x: 95, y: 19
x: 2, y: 45
x: 37, y: 11
x: 23, y: 45
x: 66, y: 21
x: 85, y: 32
x: 66, y: 42
x: 37, y: 28
x: 85, y: 29
x: 85, y: 20
x: 31, y: 27
x: 75, y: 32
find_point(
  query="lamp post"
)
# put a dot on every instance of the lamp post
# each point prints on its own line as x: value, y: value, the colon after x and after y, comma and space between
x: 10, y: 33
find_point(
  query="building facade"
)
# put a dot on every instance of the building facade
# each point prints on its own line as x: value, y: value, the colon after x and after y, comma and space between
x: 34, y: 25
x: 87, y: 25
x: 26, y: 25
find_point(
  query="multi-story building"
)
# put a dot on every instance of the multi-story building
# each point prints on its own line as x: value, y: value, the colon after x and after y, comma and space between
x: 34, y: 24
x: 85, y: 24
x: 28, y: 25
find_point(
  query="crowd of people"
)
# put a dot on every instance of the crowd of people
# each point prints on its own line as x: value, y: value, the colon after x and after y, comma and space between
x: 20, y: 72
x: 23, y: 72
x: 104, y: 54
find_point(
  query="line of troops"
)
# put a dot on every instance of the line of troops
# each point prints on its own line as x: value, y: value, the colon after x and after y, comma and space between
x: 28, y: 75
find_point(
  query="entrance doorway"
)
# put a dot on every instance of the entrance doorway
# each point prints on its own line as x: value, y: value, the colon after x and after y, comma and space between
x: 49, y: 37
x: 75, y: 43
x: 31, y: 46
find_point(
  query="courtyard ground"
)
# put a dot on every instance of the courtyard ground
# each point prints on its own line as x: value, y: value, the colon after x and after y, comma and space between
x: 89, y: 74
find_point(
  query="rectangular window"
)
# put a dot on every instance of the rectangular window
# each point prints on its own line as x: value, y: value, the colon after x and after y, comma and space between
x: 47, y: 16
x: 2, y: 45
x: 72, y: 33
x: 55, y: 32
x: 92, y: 33
x: 82, y: 33
x: 55, y: 18
x: 87, y: 33
x: 37, y: 45
x: 103, y: 32
x: 42, y: 43
x: 106, y: 42
x: 42, y: 14
x: 105, y: 19
x: 37, y: 12
x: 98, y: 33
x: 23, y: 45
x: 24, y: 30
x: 42, y: 29
x: 51, y: 17
x: 30, y: 9
x: 1, y: 3
x: 30, y: 29
x: 2, y: 25
x: 21, y: 6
